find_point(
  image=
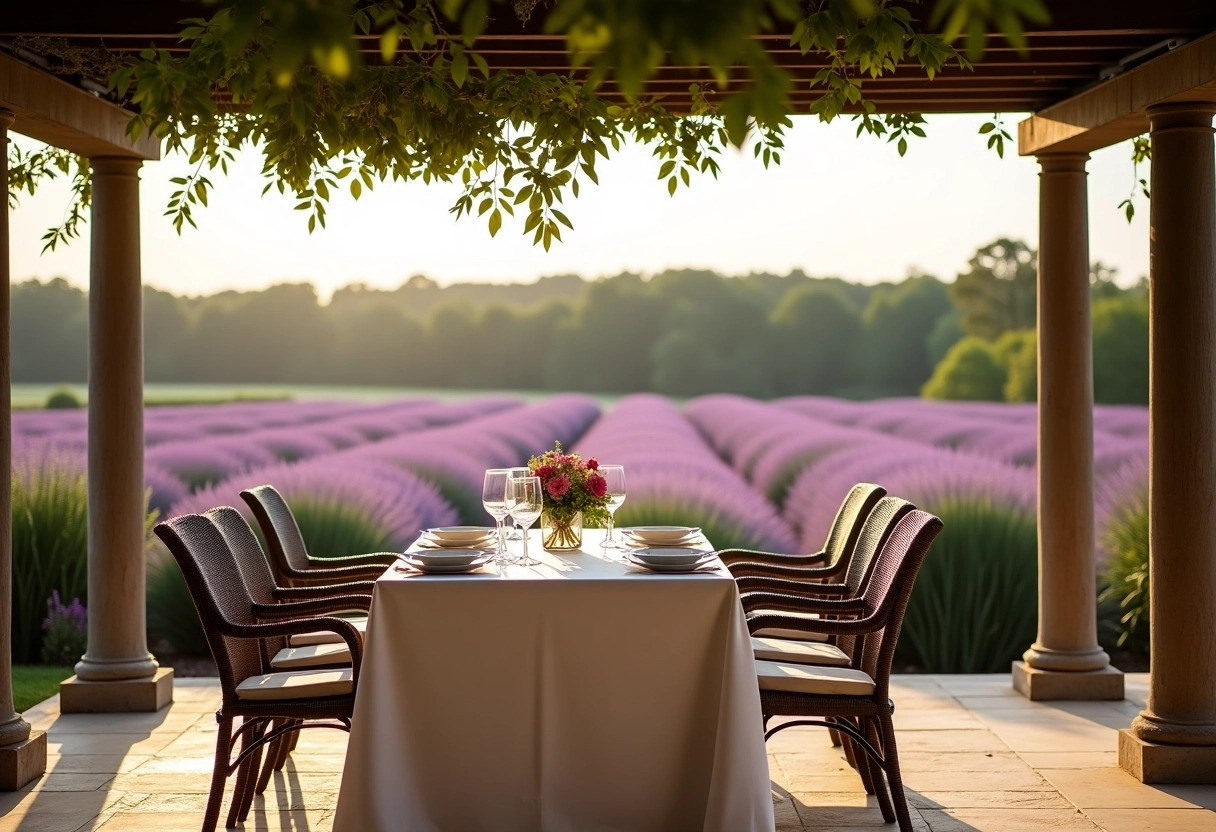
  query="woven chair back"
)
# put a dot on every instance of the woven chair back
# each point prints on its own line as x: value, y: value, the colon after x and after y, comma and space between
x: 889, y: 588
x: 283, y: 539
x: 842, y: 535
x: 218, y: 592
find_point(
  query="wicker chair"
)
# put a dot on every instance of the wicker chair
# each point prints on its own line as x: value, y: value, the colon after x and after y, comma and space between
x: 272, y: 602
x: 269, y: 705
x: 829, y: 562
x: 854, y: 700
x: 289, y: 558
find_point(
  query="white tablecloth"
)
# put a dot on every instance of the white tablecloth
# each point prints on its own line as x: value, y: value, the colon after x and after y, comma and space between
x: 577, y: 696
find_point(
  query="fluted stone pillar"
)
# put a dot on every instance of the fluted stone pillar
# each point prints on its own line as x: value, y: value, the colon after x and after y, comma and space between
x: 22, y: 752
x: 1173, y: 740
x: 1065, y: 662
x: 116, y: 673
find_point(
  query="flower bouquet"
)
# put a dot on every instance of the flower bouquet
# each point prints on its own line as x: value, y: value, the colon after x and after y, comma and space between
x: 575, y: 492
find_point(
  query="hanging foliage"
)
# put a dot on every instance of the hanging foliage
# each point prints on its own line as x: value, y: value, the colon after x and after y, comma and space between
x: 288, y: 77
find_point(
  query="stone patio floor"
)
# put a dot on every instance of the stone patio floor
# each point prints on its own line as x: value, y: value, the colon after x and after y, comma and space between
x: 975, y: 756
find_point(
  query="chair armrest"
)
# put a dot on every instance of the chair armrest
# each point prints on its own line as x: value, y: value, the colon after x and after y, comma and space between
x: 297, y: 626
x: 753, y: 601
x: 783, y: 586
x: 336, y: 574
x: 793, y: 572
x: 730, y: 556
x: 316, y: 606
x: 821, y: 626
x: 304, y: 593
x: 370, y: 559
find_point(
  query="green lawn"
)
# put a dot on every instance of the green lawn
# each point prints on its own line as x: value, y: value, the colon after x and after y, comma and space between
x: 33, y: 683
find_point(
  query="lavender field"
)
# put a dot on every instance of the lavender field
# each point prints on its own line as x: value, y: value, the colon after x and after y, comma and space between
x: 366, y: 476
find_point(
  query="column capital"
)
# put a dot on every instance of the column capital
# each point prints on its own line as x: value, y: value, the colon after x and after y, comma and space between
x: 1181, y: 115
x: 115, y: 165
x: 6, y: 119
x: 1062, y: 162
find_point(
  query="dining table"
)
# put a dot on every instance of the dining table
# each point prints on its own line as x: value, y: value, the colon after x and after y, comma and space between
x: 582, y: 694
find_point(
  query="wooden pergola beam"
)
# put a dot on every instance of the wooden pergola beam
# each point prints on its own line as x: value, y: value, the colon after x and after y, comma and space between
x: 1114, y: 110
x: 55, y: 112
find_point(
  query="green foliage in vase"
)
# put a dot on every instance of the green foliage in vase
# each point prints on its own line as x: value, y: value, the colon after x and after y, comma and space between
x: 294, y: 83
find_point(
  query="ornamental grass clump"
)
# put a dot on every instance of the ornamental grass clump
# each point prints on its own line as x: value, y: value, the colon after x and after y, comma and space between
x: 64, y: 631
x: 50, y: 539
x: 1123, y: 575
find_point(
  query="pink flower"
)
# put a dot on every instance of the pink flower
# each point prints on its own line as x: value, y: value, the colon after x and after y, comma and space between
x: 558, y: 486
x: 594, y: 465
x: 597, y: 485
x: 545, y: 472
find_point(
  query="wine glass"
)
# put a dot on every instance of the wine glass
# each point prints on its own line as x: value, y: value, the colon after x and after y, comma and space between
x: 513, y: 532
x: 494, y: 499
x: 614, y: 475
x: 525, y: 502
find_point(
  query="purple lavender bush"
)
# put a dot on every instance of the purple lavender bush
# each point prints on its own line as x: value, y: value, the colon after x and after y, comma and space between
x: 674, y: 477
x: 64, y: 631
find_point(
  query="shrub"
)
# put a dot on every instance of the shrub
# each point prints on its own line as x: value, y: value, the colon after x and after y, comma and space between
x: 971, y: 371
x: 171, y: 614
x: 65, y: 631
x: 62, y: 399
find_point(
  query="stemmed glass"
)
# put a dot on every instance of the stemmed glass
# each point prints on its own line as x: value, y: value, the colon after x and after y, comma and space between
x: 494, y: 498
x: 525, y: 502
x: 513, y: 532
x: 614, y: 475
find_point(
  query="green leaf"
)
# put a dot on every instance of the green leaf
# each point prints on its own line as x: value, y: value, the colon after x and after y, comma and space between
x: 356, y: 188
x: 495, y: 222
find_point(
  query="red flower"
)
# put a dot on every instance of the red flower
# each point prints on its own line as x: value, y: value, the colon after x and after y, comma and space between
x: 597, y: 485
x: 594, y: 465
x: 545, y: 472
x: 558, y: 486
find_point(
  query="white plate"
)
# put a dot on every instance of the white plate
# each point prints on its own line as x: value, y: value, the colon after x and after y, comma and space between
x: 467, y: 534
x: 666, y: 557
x: 662, y: 534
x: 430, y: 543
x: 655, y: 566
x: 454, y: 557
x: 434, y: 567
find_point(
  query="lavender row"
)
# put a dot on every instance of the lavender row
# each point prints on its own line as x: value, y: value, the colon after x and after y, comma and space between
x: 674, y: 477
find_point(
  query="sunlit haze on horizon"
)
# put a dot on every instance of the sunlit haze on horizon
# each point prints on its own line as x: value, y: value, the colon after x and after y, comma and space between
x: 837, y: 205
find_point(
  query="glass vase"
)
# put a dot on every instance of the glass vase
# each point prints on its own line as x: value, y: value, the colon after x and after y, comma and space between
x: 561, y: 532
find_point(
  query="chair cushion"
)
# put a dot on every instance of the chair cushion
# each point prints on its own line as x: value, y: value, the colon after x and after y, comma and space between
x: 782, y: 632
x: 311, y: 655
x: 324, y: 636
x: 798, y: 652
x: 297, y: 684
x: 804, y: 678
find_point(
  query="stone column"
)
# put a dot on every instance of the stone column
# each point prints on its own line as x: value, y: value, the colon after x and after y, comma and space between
x: 1173, y: 740
x: 22, y: 752
x: 1065, y: 662
x: 116, y: 673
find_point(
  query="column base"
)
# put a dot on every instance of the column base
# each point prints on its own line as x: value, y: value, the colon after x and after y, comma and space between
x: 23, y: 762
x: 1151, y: 762
x: 79, y: 696
x: 1045, y: 685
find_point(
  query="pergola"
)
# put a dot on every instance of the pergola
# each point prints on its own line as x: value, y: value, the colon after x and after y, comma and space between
x: 1095, y: 75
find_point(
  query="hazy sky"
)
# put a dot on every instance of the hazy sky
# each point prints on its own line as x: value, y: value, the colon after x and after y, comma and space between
x: 837, y: 205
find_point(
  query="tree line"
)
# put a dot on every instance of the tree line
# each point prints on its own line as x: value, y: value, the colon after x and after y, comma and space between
x: 679, y: 332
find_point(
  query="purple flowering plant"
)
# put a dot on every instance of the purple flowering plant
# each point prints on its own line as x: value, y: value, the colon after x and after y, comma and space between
x: 65, y: 630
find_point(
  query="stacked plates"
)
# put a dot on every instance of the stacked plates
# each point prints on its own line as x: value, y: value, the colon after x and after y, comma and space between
x: 666, y: 536
x: 670, y: 560
x: 450, y: 561
x: 457, y: 537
